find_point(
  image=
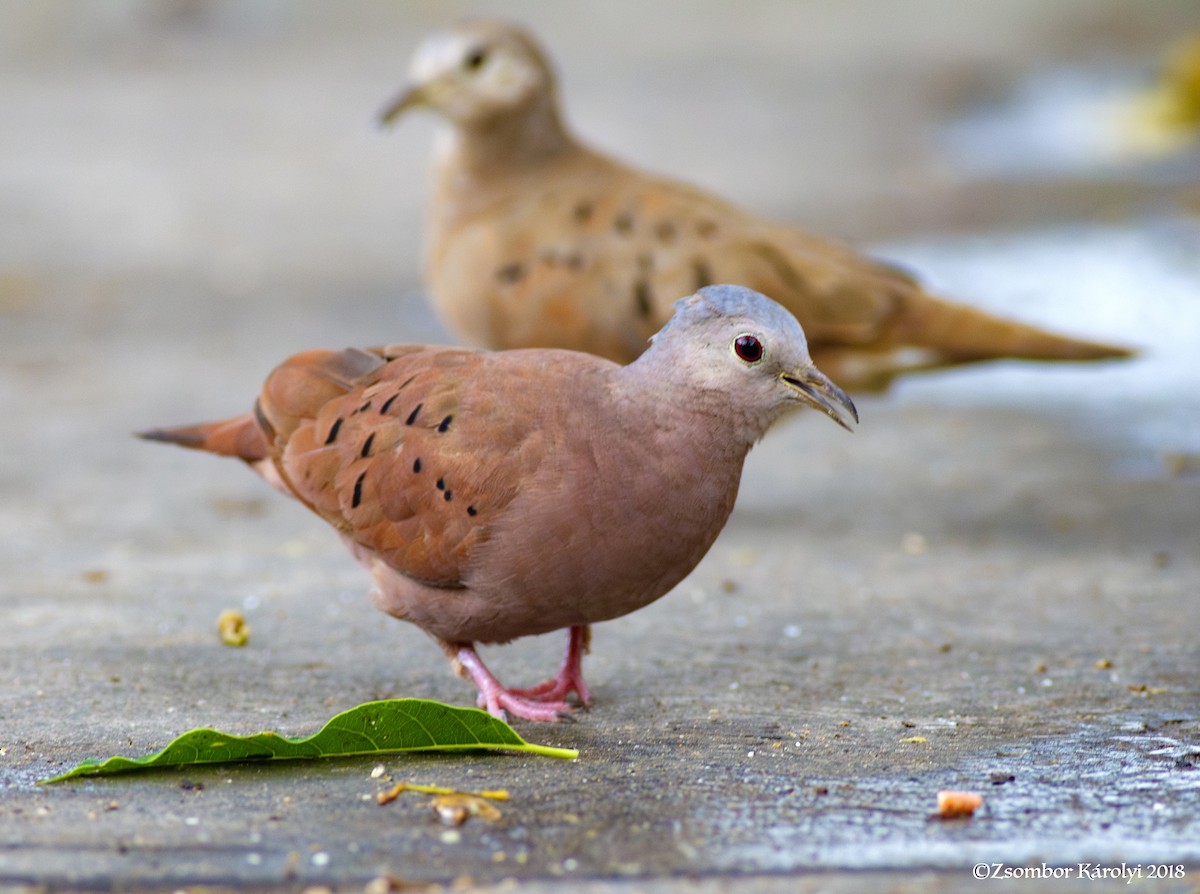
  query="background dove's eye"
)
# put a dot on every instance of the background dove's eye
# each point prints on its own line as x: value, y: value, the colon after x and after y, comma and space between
x: 748, y: 348
x: 474, y: 59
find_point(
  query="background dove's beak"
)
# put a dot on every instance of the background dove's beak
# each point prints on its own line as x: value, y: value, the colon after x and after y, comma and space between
x: 401, y: 103
x: 815, y: 389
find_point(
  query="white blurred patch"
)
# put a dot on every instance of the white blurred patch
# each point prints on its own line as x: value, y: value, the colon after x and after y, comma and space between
x: 1136, y: 285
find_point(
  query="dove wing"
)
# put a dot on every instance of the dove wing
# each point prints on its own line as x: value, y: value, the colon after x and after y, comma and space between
x: 404, y: 456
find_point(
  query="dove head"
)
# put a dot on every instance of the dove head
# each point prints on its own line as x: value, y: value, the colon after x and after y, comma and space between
x: 743, y: 356
x: 477, y: 73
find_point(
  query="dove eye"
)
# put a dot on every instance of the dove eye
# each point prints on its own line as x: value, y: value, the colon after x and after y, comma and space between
x: 474, y: 59
x: 748, y: 348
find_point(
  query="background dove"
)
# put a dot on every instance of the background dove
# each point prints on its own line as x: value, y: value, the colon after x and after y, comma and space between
x: 535, y: 240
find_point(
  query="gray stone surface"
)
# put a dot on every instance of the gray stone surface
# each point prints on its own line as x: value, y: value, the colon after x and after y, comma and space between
x: 1001, y: 563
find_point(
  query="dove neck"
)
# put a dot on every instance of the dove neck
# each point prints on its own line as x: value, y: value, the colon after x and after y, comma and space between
x: 499, y: 144
x: 690, y: 403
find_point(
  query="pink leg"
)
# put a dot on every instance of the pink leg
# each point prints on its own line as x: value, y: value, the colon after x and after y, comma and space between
x: 570, y: 675
x: 498, y: 700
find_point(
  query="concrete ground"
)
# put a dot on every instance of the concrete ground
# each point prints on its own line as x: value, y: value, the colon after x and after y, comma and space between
x: 992, y: 585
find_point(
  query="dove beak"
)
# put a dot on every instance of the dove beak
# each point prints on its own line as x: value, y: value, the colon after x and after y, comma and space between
x: 814, y: 388
x: 407, y: 99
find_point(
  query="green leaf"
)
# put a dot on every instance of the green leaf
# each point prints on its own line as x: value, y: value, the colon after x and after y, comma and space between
x: 405, y: 724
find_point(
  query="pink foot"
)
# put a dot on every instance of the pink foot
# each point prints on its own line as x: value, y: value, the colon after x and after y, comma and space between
x: 544, y: 702
x: 499, y: 701
x: 570, y: 675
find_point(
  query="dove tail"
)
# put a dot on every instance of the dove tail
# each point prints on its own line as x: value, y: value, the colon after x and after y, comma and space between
x: 957, y: 333
x: 241, y: 437
x: 295, y: 390
x: 926, y: 333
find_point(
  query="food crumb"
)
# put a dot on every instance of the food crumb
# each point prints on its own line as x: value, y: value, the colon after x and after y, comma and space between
x: 232, y: 628
x: 1180, y: 463
x: 453, y: 810
x: 952, y: 804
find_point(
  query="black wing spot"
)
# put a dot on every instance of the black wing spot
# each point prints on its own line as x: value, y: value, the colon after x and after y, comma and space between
x: 364, y: 407
x: 510, y: 274
x: 357, y: 498
x: 387, y: 404
x: 665, y: 231
x: 412, y: 417
x: 441, y: 484
x: 471, y: 510
x: 583, y: 211
x: 333, y: 431
x: 706, y: 228
x: 417, y: 465
x: 366, y: 448
x: 444, y: 425
x: 448, y: 495
x: 623, y: 224
x: 643, y: 300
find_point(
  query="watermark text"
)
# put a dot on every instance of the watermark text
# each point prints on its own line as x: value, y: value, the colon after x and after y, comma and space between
x: 1126, y: 872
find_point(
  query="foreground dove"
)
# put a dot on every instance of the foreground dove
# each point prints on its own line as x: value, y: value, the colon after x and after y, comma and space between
x: 535, y: 240
x: 499, y: 495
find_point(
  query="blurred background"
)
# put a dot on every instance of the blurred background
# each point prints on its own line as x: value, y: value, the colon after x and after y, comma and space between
x: 205, y: 178
x: 232, y: 144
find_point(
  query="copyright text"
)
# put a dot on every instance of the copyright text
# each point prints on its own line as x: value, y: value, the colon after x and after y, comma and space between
x: 1127, y: 872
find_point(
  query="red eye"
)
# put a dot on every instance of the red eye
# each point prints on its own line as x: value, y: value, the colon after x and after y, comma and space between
x: 748, y: 348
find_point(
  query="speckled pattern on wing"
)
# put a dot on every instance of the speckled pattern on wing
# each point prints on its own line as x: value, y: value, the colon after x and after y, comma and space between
x: 389, y: 462
x: 568, y: 264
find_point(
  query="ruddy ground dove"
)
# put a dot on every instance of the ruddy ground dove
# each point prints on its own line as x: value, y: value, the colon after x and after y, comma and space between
x: 499, y: 495
x: 535, y: 240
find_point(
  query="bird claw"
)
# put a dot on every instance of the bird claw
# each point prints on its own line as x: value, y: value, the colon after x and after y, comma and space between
x: 544, y: 691
x: 544, y: 702
x: 501, y: 702
x: 504, y: 702
x: 570, y: 675
x: 556, y: 689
